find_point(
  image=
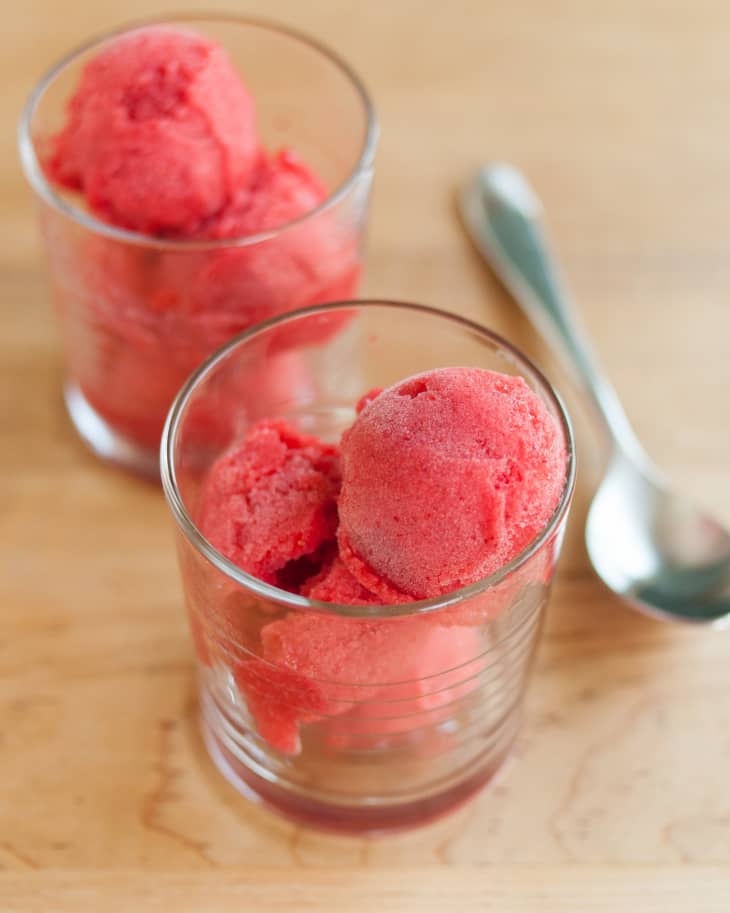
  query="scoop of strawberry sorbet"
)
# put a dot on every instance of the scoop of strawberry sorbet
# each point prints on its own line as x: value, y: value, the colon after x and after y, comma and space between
x: 160, y: 134
x: 382, y: 675
x: 447, y: 476
x: 271, y: 502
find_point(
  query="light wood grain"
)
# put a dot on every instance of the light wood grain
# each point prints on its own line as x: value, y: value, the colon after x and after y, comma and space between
x: 617, y: 796
x: 457, y: 889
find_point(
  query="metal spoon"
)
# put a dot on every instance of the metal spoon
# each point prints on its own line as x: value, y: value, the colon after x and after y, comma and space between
x: 649, y: 544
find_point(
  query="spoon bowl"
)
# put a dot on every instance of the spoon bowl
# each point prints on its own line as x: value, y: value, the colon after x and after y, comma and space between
x: 652, y: 546
x: 648, y: 544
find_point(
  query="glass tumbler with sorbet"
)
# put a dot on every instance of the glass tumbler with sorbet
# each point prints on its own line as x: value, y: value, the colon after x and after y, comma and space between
x: 366, y: 563
x: 194, y: 176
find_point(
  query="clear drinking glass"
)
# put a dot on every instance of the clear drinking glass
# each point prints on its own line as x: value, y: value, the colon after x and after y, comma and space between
x: 368, y: 750
x: 137, y: 314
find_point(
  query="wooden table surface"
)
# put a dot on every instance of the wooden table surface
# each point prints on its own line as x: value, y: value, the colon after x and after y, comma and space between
x: 618, y: 797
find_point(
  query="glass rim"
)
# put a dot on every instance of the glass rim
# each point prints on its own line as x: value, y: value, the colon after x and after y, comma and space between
x: 42, y: 186
x: 292, y: 600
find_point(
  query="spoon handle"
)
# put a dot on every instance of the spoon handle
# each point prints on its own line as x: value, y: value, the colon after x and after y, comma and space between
x: 503, y: 215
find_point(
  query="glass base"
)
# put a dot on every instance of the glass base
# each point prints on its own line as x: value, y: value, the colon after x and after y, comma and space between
x: 104, y: 441
x: 369, y: 817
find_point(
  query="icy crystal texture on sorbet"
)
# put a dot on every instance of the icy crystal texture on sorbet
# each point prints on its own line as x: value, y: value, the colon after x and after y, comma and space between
x: 446, y: 477
x: 161, y: 132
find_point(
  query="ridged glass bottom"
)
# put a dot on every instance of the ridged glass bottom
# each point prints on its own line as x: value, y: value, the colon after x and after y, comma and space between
x: 235, y: 755
x: 104, y: 441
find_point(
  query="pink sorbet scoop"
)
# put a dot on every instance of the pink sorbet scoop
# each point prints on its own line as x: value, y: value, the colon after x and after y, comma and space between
x: 161, y: 132
x: 446, y: 477
x: 271, y: 502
